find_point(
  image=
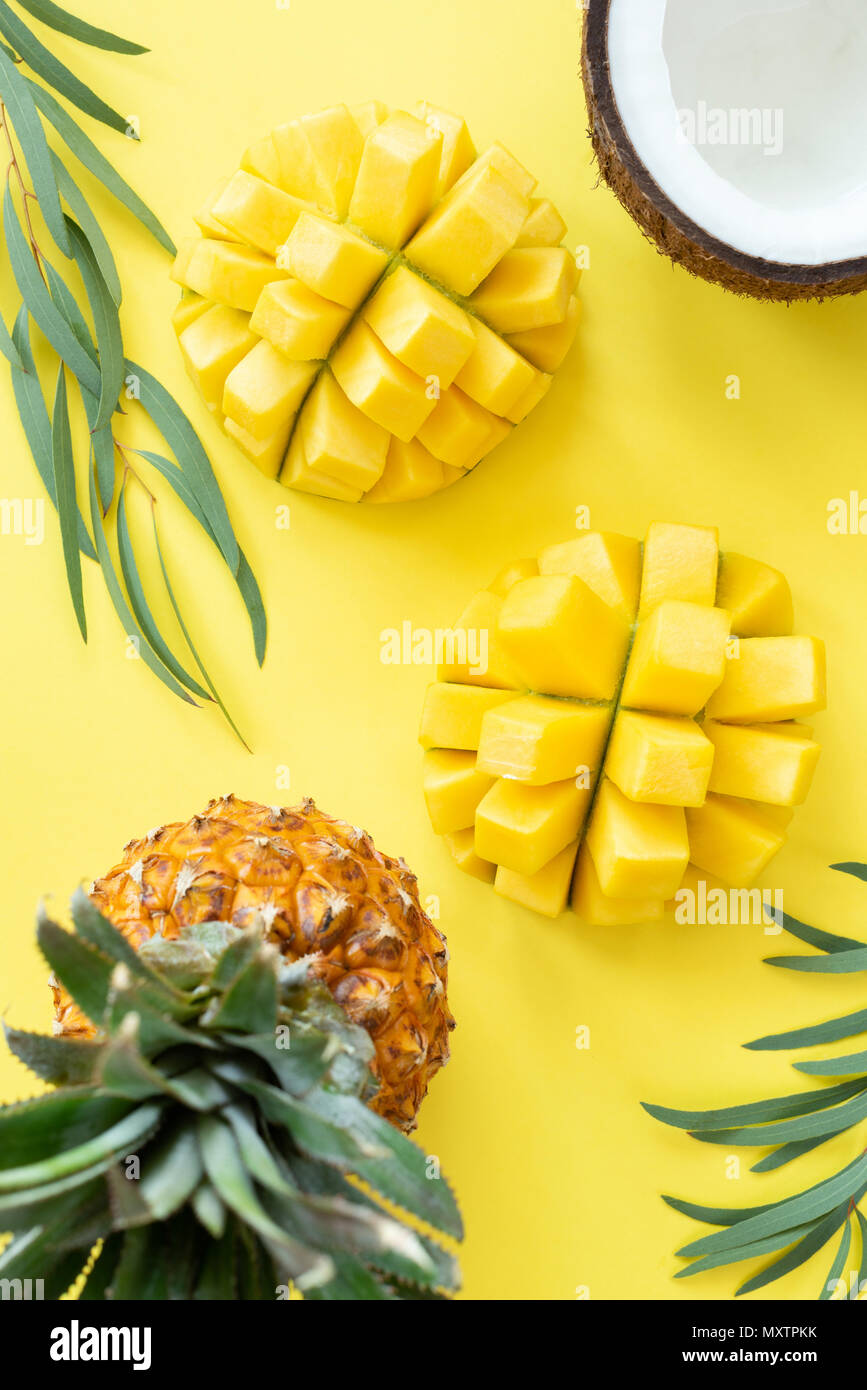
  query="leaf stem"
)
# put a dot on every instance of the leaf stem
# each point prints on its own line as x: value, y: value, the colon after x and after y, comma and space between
x: 25, y: 192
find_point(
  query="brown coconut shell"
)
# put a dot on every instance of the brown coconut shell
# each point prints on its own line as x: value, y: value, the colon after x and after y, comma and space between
x: 664, y: 223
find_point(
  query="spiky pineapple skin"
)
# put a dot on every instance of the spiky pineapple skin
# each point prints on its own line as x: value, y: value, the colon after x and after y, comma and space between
x: 320, y: 887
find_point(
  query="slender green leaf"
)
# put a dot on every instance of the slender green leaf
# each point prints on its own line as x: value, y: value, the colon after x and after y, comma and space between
x: 8, y: 348
x: 847, y: 1027
x: 856, y: 870
x: 836, y: 1270
x: 778, y: 1241
x: 24, y: 119
x: 786, y: 1153
x: 60, y: 1061
x: 755, y: 1112
x: 813, y: 936
x: 189, y: 641
x: 840, y: 963
x: 139, y: 1124
x: 811, y: 1242
x: 862, y: 1272
x: 40, y: 303
x: 57, y: 1120
x: 56, y: 18
x: 43, y: 62
x: 87, y: 153
x: 187, y: 448
x: 140, y: 607
x: 716, y: 1216
x: 64, y: 490
x: 832, y: 1121
x: 85, y: 217
x: 69, y: 308
x: 853, y: 1064
x: 108, y: 336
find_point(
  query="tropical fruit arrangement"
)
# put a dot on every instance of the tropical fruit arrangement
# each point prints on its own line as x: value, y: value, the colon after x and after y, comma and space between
x: 371, y: 306
x: 613, y: 722
x: 251, y: 1006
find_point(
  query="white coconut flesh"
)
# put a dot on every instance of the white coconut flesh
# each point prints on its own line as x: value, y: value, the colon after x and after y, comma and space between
x: 751, y: 116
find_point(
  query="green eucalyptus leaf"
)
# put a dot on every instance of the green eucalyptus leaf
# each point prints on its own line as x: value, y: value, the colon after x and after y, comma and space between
x: 826, y: 1122
x: 856, y: 870
x: 839, y: 1264
x: 854, y: 1063
x: 840, y: 963
x: 8, y: 348
x: 43, y: 62
x: 65, y: 23
x: 108, y: 335
x: 847, y: 1027
x: 734, y: 1254
x: 24, y: 119
x: 63, y: 464
x: 787, y: 1152
x: 755, y: 1112
x: 84, y: 215
x: 813, y: 936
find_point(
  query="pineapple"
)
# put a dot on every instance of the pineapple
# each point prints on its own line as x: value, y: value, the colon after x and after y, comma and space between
x: 371, y: 307
x: 250, y: 1006
x: 639, y: 722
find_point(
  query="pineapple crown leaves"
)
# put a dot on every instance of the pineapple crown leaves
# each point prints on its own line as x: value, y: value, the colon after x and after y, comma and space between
x: 797, y: 1227
x: 93, y: 357
x: 214, y: 1134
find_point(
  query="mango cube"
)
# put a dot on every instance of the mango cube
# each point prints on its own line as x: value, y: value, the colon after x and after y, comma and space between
x: 452, y: 714
x: 298, y: 321
x: 524, y: 827
x: 732, y: 839
x: 227, y: 272
x: 763, y: 762
x: 260, y: 159
x: 771, y: 678
x: 472, y: 653
x: 205, y: 219
x: 332, y: 260
x: 265, y: 390
x: 453, y: 788
x: 267, y: 454
x: 336, y: 144
x: 757, y: 596
x: 368, y: 115
x: 470, y: 229
x: 544, y: 225
x: 512, y: 574
x: 421, y: 327
x: 494, y: 375
x: 680, y: 562
x: 497, y: 157
x: 256, y: 212
x: 639, y: 850
x: 339, y: 440
x: 410, y: 472
x: 537, y: 739
x: 189, y: 307
x: 460, y: 432
x: 530, y: 399
x: 297, y: 473
x: 212, y: 345
x: 546, y: 891
x: 386, y: 390
x: 609, y: 564
x: 678, y: 658
x: 529, y: 288
x: 660, y: 760
x: 458, y: 151
x: 598, y: 909
x: 562, y: 638
x: 462, y: 847
x: 397, y: 179
x: 547, y: 347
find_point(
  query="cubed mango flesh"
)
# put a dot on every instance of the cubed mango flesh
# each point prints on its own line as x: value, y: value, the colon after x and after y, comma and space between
x: 546, y: 891
x: 562, y: 639
x: 524, y: 827
x: 639, y: 850
x: 260, y: 159
x: 453, y: 788
x: 544, y: 225
x: 383, y: 388
x: 265, y: 390
x: 298, y: 321
x: 512, y: 574
x: 494, y: 375
x: 226, y: 272
x: 452, y: 714
x: 397, y: 179
x: 654, y: 758
x: 332, y: 260
x: 732, y: 839
x: 189, y: 307
x: 537, y: 739
x: 462, y: 848
x: 336, y: 143
x: 680, y: 562
x: 472, y: 653
x: 470, y: 229
x: 458, y: 151
x: 410, y: 472
x: 460, y: 432
x: 206, y: 221
x: 547, y: 347
x: 529, y: 288
x: 297, y: 473
x: 497, y: 157
x: 368, y: 115
x: 530, y: 399
x: 421, y: 327
x: 340, y: 440
x: 757, y: 596
x: 609, y: 564
x: 267, y: 454
x: 212, y: 345
x: 771, y: 678
x: 678, y: 658
x: 256, y: 212
x: 763, y: 762
x: 598, y: 909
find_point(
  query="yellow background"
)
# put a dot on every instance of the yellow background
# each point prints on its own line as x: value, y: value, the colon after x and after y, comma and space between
x: 557, y: 1168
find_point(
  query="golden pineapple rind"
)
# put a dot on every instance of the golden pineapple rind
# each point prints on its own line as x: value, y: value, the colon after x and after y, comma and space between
x: 319, y: 887
x: 299, y: 183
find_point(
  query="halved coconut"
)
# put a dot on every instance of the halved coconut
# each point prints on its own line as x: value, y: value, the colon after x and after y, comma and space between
x: 735, y: 133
